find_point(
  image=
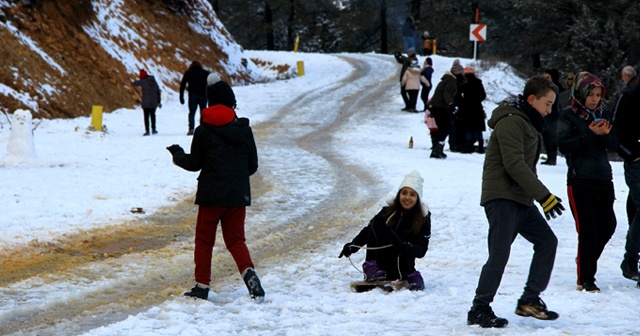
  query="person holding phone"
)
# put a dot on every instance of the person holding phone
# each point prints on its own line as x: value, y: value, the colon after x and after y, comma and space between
x: 585, y: 138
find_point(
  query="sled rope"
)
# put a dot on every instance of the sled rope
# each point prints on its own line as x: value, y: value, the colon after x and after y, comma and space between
x: 378, y: 248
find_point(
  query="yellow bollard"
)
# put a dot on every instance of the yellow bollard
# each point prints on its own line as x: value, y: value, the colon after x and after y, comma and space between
x: 96, y: 117
x: 300, y: 68
x: 295, y: 47
x: 435, y: 47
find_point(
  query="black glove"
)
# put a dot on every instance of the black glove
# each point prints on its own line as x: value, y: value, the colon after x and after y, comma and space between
x: 174, y: 149
x: 552, y: 206
x: 348, y: 250
x: 182, y: 100
x: 159, y: 105
x: 404, y: 248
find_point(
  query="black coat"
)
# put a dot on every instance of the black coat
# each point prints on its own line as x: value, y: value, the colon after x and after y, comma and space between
x: 405, y: 61
x: 226, y: 156
x: 195, y: 80
x: 627, y: 121
x: 586, y: 152
x: 470, y: 111
x: 378, y: 234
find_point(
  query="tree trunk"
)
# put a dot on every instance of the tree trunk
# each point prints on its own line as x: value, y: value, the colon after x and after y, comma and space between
x: 268, y: 20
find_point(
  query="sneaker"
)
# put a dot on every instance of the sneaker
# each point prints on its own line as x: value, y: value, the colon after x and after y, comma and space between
x: 198, y: 291
x: 589, y: 286
x: 630, y: 269
x: 536, y: 308
x: 372, y: 272
x: 146, y: 133
x: 484, y: 317
x: 253, y: 285
x: 416, y: 283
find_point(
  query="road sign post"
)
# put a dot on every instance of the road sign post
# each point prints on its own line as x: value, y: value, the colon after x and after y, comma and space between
x: 477, y: 32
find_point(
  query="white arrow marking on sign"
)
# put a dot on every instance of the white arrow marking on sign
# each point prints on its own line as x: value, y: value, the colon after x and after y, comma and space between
x: 478, y: 32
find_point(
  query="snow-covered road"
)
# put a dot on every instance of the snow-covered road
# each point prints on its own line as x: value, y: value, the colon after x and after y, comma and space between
x: 79, y: 285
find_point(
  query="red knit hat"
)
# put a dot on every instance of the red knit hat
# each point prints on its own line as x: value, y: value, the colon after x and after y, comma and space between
x: 143, y: 74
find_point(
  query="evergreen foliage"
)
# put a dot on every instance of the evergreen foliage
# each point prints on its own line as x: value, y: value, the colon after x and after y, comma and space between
x: 532, y: 35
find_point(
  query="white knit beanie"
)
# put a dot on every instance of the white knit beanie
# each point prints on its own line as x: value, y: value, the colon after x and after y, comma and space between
x: 414, y: 181
x: 213, y: 78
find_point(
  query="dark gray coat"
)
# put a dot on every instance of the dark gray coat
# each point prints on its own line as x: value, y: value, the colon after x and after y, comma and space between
x: 150, y: 92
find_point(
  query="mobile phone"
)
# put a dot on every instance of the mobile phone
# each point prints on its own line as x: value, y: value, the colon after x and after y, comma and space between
x: 598, y: 119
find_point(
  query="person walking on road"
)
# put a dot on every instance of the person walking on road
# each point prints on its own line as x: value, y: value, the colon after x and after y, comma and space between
x: 150, y: 101
x: 195, y: 81
x: 224, y: 151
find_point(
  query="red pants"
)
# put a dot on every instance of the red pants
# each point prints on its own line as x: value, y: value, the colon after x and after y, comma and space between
x: 232, y: 222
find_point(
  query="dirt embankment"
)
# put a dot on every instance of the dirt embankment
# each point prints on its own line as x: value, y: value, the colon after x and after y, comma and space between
x: 50, y: 59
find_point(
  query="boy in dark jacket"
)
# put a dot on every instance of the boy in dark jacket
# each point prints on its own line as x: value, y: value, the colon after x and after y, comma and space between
x: 195, y: 81
x: 224, y: 151
x: 509, y: 186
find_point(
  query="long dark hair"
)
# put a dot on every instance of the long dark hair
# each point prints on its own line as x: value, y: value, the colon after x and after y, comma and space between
x: 414, y: 216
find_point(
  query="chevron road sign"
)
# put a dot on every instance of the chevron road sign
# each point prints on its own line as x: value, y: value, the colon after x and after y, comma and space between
x: 478, y: 32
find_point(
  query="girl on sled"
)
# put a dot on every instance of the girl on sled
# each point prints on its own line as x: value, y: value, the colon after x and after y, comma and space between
x: 396, y: 236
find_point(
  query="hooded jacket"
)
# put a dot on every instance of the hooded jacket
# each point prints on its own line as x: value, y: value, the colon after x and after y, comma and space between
x: 446, y: 90
x: 512, y: 154
x: 411, y: 79
x: 224, y: 151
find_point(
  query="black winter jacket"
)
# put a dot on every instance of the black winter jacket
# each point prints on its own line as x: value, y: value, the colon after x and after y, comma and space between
x: 226, y: 156
x: 196, y: 79
x: 627, y: 122
x: 586, y: 152
x: 386, y: 258
x: 405, y: 61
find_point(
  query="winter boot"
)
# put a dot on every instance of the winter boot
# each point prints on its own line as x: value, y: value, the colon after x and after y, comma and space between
x: 551, y: 159
x: 146, y: 133
x: 372, y: 272
x: 190, y: 132
x: 438, y: 151
x: 199, y: 291
x: 536, y: 308
x: 630, y: 269
x: 589, y: 286
x: 416, y: 283
x: 484, y: 317
x: 253, y: 285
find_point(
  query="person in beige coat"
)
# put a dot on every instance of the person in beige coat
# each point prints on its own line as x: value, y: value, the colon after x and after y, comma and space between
x: 411, y: 83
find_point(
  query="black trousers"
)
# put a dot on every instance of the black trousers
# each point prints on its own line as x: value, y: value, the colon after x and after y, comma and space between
x: 149, y: 115
x: 507, y: 219
x: 592, y: 210
x: 443, y: 119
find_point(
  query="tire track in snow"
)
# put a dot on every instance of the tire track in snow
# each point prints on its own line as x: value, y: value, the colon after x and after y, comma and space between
x: 68, y: 288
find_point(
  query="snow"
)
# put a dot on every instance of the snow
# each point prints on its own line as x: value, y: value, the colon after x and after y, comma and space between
x: 81, y: 180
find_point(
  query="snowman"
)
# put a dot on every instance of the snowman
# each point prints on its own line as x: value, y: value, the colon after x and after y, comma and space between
x: 20, y: 147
